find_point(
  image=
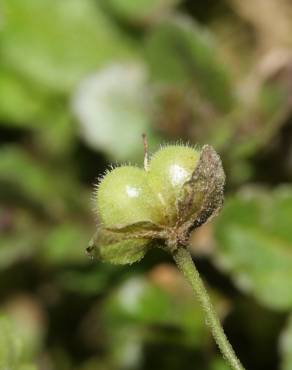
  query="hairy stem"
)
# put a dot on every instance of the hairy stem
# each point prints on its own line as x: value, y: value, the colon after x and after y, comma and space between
x: 186, y: 265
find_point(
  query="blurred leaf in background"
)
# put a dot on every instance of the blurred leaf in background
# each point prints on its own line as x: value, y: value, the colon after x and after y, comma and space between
x: 12, y: 352
x: 57, y: 57
x: 286, y: 346
x: 102, y: 103
x: 255, y: 244
x: 151, y: 308
x: 141, y: 12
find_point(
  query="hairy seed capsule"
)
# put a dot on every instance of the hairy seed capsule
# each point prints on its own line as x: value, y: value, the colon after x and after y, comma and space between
x: 128, y: 195
x: 179, y: 190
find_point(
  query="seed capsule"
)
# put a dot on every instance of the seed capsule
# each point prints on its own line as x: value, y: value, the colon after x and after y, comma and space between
x: 179, y: 190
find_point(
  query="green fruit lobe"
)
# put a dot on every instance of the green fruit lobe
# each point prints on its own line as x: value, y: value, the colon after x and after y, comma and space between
x: 124, y: 197
x: 169, y: 169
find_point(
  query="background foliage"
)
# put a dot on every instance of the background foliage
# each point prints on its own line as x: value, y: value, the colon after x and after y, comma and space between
x: 80, y: 80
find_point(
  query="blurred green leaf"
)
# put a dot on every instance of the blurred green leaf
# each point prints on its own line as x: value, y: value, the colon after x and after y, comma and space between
x: 141, y: 11
x: 11, y: 347
x: 52, y: 189
x: 114, y: 108
x: 28, y: 321
x: 89, y: 282
x: 19, y: 242
x: 56, y: 134
x: 267, y: 113
x: 254, y: 238
x: 219, y: 364
x: 146, y: 309
x: 27, y: 367
x: 55, y: 43
x: 181, y: 52
x: 19, y: 103
x: 286, y: 346
x: 65, y: 244
x: 139, y: 301
x: 126, y: 348
x: 96, y: 364
x: 57, y: 245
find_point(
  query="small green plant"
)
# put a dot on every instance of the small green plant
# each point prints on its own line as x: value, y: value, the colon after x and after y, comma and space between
x: 178, y: 190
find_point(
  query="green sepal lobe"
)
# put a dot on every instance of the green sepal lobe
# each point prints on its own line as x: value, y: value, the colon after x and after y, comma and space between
x: 117, y: 247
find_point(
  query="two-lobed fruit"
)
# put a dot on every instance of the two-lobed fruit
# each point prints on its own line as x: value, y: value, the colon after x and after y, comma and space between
x: 128, y: 194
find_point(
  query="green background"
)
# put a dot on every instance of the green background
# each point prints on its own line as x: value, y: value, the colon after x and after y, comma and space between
x: 80, y: 81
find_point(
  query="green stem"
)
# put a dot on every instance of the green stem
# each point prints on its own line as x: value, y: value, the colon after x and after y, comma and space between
x: 186, y: 265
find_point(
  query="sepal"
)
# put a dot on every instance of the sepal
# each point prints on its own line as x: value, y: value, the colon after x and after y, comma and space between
x: 116, y: 247
x: 202, y: 196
